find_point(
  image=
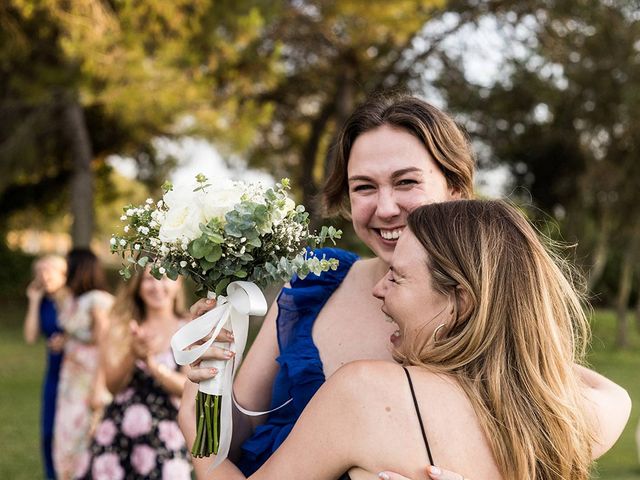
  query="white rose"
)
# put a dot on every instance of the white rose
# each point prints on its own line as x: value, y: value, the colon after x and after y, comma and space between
x: 220, y: 198
x: 183, y: 219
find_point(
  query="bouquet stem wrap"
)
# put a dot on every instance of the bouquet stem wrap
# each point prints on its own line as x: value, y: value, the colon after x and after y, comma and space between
x: 214, y: 400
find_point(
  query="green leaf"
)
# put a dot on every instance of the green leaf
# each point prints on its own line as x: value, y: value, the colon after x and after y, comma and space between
x: 222, y: 285
x: 241, y: 274
x: 214, y: 254
x: 199, y: 248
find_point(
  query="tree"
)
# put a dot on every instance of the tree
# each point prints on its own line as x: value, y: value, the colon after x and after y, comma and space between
x: 564, y: 117
x: 85, y: 79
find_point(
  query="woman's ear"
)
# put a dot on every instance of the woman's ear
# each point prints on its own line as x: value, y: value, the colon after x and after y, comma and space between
x: 463, y: 305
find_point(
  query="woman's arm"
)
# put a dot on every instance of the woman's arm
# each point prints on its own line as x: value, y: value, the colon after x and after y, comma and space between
x: 611, y: 407
x: 333, y: 431
x: 172, y: 381
x: 31, y: 328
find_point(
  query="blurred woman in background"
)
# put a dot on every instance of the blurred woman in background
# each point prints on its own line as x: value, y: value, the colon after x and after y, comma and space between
x: 50, y: 273
x: 81, y: 391
x: 138, y: 436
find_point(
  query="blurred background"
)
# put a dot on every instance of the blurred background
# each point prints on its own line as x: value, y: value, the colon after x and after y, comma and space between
x: 102, y: 100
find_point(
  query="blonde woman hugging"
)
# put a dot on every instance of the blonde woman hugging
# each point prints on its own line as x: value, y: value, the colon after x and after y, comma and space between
x: 491, y: 335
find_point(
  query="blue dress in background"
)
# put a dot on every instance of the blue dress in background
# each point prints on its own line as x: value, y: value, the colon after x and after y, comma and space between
x: 301, y: 373
x: 48, y: 326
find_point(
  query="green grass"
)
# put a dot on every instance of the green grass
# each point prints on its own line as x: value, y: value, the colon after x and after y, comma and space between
x: 21, y: 370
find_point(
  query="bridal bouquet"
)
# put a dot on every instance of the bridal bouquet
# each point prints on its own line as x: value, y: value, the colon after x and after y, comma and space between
x: 229, y: 237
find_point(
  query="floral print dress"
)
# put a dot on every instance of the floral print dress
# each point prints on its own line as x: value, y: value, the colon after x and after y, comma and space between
x: 74, y: 416
x: 139, y: 436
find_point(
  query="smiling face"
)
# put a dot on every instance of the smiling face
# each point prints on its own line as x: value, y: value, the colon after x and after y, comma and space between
x: 390, y: 173
x: 158, y: 294
x: 51, y: 275
x: 407, y: 293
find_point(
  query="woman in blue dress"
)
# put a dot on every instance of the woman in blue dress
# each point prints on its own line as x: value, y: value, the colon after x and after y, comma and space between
x: 394, y: 154
x: 42, y: 318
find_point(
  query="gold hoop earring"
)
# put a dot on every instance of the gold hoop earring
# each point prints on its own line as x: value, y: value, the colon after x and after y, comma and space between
x: 435, y: 332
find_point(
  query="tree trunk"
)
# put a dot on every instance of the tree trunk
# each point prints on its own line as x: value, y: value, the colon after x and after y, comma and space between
x: 600, y: 256
x: 638, y: 303
x: 622, y: 300
x: 82, y: 180
x: 309, y: 156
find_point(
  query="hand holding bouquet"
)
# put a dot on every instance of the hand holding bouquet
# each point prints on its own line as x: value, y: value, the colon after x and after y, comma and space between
x: 229, y: 237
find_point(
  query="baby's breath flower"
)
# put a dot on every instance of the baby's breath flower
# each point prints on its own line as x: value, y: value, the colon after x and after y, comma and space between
x: 183, y: 263
x: 162, y: 270
x: 113, y: 241
x: 123, y: 218
x: 123, y: 242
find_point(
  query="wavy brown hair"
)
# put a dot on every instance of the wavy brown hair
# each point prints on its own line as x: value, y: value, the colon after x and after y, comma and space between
x: 520, y: 328
x: 438, y: 132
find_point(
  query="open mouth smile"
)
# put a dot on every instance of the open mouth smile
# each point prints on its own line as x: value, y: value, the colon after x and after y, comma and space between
x: 390, y: 235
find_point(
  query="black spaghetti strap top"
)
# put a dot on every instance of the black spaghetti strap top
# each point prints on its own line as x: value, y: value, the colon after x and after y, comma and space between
x: 345, y: 476
x: 415, y: 404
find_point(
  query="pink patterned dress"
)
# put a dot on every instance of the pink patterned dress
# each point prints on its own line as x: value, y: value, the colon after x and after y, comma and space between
x: 73, y: 412
x: 138, y: 437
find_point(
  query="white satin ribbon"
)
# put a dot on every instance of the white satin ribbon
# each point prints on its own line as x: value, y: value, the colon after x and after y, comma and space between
x: 243, y: 299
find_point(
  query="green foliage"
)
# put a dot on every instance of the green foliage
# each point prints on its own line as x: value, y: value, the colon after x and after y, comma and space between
x: 260, y: 239
x: 563, y: 116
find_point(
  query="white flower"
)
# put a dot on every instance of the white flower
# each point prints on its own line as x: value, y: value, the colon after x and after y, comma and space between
x: 183, y: 263
x: 162, y: 270
x: 220, y: 198
x: 123, y: 242
x: 194, y: 264
x: 123, y: 218
x: 188, y: 209
x: 184, y: 216
x: 113, y: 241
x: 137, y: 246
x: 281, y: 213
x: 130, y: 212
x: 126, y: 229
x: 149, y: 201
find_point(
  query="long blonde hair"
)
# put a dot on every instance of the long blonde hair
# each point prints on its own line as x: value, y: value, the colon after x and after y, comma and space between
x: 520, y: 327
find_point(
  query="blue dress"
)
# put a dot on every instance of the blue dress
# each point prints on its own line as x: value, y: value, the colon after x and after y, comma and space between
x: 49, y: 326
x: 301, y: 373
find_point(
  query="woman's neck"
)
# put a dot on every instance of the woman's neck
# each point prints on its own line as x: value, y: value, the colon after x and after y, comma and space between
x: 160, y: 315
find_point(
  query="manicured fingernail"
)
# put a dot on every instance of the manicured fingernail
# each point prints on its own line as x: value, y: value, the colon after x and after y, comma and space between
x: 214, y: 371
x: 228, y: 353
x: 383, y: 476
x: 434, y: 470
